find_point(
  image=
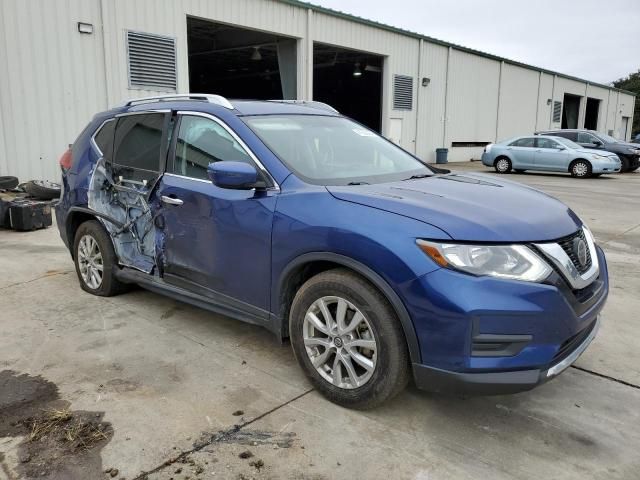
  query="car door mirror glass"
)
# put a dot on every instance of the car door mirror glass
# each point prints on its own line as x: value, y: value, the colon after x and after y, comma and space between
x: 234, y: 175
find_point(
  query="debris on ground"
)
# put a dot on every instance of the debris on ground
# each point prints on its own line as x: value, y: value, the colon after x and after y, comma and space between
x: 246, y: 454
x: 258, y: 464
x: 237, y: 413
x: 57, y: 441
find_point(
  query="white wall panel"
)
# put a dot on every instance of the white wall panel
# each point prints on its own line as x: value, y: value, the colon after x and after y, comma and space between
x: 431, y: 110
x: 472, y: 102
x: 51, y: 82
x: 518, y: 102
x: 545, y: 108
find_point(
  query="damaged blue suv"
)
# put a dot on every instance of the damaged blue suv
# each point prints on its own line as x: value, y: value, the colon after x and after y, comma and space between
x: 377, y: 267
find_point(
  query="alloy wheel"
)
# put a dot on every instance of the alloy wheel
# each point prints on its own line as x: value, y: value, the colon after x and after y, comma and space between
x: 580, y: 169
x: 340, y: 342
x: 502, y: 165
x: 90, y: 262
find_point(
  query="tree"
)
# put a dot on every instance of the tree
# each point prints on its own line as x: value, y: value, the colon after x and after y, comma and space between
x: 632, y: 84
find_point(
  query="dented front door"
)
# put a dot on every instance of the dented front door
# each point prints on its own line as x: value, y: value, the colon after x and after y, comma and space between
x: 212, y: 238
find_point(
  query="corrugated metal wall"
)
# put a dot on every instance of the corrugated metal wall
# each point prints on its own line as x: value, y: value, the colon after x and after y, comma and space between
x: 53, y: 79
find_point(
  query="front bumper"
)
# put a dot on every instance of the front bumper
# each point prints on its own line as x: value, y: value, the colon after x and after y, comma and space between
x: 497, y: 383
x: 481, y: 335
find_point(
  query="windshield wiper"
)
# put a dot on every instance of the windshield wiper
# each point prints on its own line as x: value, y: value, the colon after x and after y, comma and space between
x: 419, y: 175
x: 357, y: 183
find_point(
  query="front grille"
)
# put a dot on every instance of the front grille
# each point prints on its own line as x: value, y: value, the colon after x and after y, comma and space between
x: 567, y: 245
x: 572, y: 343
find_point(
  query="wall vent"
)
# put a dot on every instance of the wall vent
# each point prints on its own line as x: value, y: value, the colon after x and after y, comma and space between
x: 402, y: 92
x: 151, y: 61
x: 557, y: 112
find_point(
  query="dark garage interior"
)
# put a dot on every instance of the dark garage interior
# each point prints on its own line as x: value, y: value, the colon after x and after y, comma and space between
x: 240, y: 63
x: 591, y: 114
x: 570, y: 111
x: 350, y: 81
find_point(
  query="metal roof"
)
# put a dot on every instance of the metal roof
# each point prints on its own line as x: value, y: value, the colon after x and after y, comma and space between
x: 409, y: 33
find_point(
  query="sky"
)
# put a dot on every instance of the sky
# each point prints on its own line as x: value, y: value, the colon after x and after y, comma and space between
x: 597, y: 40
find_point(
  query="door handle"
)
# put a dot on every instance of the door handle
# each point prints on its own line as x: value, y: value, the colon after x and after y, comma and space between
x: 170, y: 200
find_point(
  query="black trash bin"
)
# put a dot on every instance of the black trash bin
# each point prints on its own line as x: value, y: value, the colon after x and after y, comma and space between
x: 441, y: 155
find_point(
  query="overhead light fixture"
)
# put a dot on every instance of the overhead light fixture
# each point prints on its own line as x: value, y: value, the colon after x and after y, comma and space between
x: 85, y: 28
x: 356, y: 71
x: 256, y: 55
x: 426, y: 81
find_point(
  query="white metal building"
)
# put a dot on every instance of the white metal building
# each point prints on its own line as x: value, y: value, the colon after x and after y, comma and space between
x: 61, y: 61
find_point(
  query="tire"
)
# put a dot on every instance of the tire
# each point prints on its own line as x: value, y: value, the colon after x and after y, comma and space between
x: 390, y: 372
x: 8, y: 183
x: 502, y: 165
x: 43, y: 189
x: 580, y: 169
x: 91, y: 233
x: 625, y: 165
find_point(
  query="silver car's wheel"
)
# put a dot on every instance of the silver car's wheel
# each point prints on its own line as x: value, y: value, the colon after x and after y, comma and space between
x: 581, y: 169
x: 503, y: 165
x: 340, y: 342
x: 90, y: 262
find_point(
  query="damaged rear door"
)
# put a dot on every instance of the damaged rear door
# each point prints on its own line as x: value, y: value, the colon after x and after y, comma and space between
x: 214, y: 241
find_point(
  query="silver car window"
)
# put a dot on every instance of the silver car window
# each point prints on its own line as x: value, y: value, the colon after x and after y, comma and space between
x: 523, y: 142
x: 547, y: 143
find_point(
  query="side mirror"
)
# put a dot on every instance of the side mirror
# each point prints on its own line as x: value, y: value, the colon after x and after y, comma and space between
x: 561, y: 147
x: 233, y: 175
x: 597, y: 143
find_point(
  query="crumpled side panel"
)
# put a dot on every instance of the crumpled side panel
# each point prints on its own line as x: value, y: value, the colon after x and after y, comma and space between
x: 126, y: 202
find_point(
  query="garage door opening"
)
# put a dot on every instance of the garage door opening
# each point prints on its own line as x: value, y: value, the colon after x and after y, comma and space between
x: 240, y: 63
x: 591, y: 114
x: 570, y: 111
x: 350, y: 81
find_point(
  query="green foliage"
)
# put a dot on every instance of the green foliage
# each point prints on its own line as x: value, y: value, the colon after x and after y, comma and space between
x: 632, y: 84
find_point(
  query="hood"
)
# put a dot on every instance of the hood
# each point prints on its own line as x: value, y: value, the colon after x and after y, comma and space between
x: 470, y: 207
x: 602, y: 153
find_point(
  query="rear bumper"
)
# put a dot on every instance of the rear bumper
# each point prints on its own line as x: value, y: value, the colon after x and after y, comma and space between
x: 499, y: 382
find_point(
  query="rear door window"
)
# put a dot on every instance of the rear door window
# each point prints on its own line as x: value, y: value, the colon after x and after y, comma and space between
x: 139, y: 142
x: 584, y: 137
x: 569, y: 135
x: 523, y: 142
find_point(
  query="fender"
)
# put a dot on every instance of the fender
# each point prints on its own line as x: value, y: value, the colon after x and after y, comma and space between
x: 371, y: 276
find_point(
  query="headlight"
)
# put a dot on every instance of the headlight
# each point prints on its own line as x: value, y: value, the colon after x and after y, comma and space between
x: 516, y: 262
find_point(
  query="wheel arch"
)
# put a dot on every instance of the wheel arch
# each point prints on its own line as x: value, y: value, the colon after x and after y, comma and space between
x: 502, y: 155
x: 76, y: 217
x: 307, y: 265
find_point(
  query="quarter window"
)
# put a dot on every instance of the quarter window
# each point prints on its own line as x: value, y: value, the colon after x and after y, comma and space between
x: 138, y: 141
x: 202, y: 141
x: 104, y: 138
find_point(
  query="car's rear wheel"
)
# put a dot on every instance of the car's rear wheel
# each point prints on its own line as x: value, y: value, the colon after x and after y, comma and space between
x: 95, y: 260
x: 580, y: 169
x: 348, y: 340
x: 502, y: 165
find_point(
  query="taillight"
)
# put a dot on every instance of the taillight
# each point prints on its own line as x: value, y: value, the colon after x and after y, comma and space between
x: 65, y: 160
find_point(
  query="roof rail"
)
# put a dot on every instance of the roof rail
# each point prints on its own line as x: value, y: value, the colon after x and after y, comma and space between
x: 311, y: 103
x: 217, y: 99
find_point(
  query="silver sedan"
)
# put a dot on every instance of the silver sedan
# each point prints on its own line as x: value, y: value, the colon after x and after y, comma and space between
x: 549, y: 154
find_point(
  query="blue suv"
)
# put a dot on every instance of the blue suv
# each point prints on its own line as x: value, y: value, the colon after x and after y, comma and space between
x: 377, y: 267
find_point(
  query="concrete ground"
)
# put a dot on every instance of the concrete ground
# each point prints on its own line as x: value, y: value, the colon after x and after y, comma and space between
x: 176, y: 392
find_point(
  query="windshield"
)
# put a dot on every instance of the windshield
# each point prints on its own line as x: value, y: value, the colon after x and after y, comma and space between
x: 607, y: 138
x: 326, y: 150
x: 568, y: 143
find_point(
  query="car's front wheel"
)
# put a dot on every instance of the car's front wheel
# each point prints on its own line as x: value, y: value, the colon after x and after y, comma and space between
x: 348, y: 340
x: 502, y: 165
x: 96, y: 260
x: 581, y: 169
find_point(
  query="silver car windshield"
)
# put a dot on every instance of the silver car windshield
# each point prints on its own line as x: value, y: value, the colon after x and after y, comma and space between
x: 327, y: 150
